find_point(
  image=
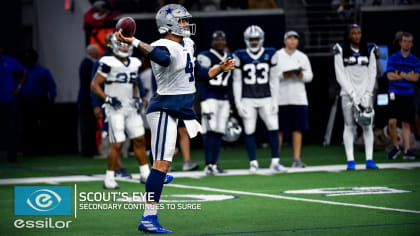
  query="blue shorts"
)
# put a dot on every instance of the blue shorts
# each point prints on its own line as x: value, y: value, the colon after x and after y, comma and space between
x: 293, y: 118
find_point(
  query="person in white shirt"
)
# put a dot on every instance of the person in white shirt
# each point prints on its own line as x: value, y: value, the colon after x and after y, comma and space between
x: 293, y: 70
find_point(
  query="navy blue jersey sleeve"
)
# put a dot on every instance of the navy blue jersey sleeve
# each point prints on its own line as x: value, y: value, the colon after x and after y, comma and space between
x: 160, y: 55
x: 201, y: 72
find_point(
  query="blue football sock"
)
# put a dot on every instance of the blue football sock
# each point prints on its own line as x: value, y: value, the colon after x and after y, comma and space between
x: 154, y: 183
x: 250, y: 146
x: 274, y: 143
x: 208, y: 147
x: 216, y: 147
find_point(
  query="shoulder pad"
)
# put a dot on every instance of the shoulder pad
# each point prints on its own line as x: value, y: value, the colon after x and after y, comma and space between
x: 205, y: 53
x: 372, y: 46
x: 135, y: 60
x: 337, y: 48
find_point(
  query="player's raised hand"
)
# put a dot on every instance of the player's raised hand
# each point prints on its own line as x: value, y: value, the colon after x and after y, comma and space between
x: 122, y: 38
x: 228, y: 64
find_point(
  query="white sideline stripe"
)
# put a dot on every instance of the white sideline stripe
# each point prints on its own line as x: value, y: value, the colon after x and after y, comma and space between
x: 289, y: 198
x: 200, y: 174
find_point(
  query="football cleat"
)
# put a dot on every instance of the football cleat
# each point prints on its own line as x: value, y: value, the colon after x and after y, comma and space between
x: 189, y: 166
x: 278, y: 168
x: 208, y: 170
x: 110, y: 184
x: 217, y: 170
x: 253, y: 168
x: 371, y: 165
x: 150, y: 224
x: 393, y: 154
x: 298, y: 164
x: 408, y: 155
x: 143, y: 179
x: 351, y: 165
x: 122, y: 173
x: 168, y: 179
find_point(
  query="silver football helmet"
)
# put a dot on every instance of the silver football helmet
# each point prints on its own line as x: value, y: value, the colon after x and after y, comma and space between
x: 169, y: 20
x: 233, y: 130
x: 364, y: 116
x: 116, y: 48
x: 254, y: 31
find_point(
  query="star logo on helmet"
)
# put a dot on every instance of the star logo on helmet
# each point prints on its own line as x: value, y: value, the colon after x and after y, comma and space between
x: 168, y: 11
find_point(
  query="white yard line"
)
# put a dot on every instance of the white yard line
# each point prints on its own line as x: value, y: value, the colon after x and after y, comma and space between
x: 290, y: 198
x: 199, y: 174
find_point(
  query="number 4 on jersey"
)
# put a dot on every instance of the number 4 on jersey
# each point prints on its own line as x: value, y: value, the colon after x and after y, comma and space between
x: 189, y: 68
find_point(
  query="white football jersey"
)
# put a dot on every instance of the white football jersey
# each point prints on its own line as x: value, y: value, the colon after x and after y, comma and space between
x: 119, y: 77
x: 178, y: 77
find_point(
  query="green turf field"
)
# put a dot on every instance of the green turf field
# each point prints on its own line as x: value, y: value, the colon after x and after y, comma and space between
x: 259, y: 204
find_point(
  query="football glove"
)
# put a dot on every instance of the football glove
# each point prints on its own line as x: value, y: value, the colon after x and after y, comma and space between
x: 138, y: 104
x: 365, y: 101
x: 114, y: 102
x: 355, y: 99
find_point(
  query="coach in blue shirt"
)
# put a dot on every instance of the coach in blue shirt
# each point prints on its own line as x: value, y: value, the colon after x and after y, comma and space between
x: 38, y: 94
x: 10, y: 72
x: 39, y: 82
x: 402, y: 71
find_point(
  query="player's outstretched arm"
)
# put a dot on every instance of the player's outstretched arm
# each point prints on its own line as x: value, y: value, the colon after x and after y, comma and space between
x: 142, y: 46
x: 160, y: 55
x: 226, y: 65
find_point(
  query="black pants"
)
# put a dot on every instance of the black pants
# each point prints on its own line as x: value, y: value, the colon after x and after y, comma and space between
x: 37, y: 123
x: 87, y: 124
x: 8, y: 133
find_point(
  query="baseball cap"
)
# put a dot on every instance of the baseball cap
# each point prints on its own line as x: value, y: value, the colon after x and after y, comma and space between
x: 291, y: 33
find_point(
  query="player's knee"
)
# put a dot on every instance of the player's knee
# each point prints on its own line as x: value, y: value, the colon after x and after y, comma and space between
x: 162, y: 166
x: 116, y: 146
x: 138, y: 142
x: 367, y: 128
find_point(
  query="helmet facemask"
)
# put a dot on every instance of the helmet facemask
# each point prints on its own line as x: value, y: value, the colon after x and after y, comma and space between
x: 254, y: 32
x: 118, y: 45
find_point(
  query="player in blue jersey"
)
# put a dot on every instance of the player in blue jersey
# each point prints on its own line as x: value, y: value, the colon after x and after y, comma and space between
x: 355, y: 69
x: 175, y: 67
x: 215, y: 96
x: 255, y: 92
x: 403, y: 70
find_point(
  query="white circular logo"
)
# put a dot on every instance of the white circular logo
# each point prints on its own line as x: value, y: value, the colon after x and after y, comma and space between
x: 43, y: 200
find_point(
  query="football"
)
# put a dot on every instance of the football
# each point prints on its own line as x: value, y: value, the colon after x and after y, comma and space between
x: 127, y: 26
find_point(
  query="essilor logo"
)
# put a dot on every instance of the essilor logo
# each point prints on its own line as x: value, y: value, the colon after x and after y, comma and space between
x: 43, y: 200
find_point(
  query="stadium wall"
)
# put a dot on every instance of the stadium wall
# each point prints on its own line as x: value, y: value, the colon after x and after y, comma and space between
x: 60, y: 43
